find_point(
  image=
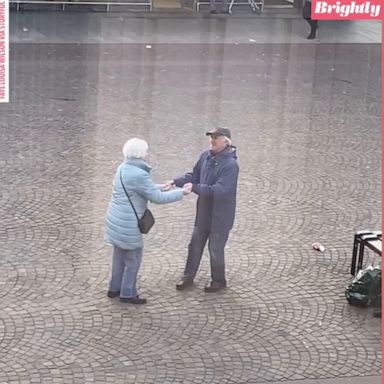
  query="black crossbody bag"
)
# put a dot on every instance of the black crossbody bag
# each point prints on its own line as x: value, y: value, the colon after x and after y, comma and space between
x: 147, y: 221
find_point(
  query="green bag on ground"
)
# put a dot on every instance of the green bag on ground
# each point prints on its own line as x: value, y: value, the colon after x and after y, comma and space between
x: 365, y: 288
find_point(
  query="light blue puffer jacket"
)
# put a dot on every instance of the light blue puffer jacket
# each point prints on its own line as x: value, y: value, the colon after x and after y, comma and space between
x: 121, y: 223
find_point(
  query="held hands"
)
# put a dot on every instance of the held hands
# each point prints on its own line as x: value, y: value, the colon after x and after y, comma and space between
x: 187, y: 189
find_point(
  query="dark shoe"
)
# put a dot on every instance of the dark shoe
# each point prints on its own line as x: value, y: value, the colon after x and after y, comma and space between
x: 184, y: 283
x: 133, y: 300
x: 225, y: 11
x: 213, y: 12
x: 215, y: 286
x: 312, y: 34
x: 112, y: 294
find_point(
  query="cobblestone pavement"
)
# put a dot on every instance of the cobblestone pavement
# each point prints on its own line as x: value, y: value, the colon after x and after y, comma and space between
x: 306, y: 121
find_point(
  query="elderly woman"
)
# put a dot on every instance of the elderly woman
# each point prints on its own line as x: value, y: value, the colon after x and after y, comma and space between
x: 122, y: 229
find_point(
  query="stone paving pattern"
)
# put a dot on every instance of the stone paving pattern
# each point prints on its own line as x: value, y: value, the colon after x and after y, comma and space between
x: 306, y: 121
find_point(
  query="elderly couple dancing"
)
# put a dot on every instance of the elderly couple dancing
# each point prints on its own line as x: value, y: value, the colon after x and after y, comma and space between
x: 213, y: 179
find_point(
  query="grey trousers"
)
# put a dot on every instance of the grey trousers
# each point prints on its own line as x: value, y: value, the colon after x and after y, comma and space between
x: 216, y: 245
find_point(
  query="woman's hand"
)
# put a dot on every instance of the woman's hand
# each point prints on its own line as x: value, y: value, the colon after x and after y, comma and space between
x: 168, y: 186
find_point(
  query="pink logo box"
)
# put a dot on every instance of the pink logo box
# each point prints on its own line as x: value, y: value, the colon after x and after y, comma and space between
x: 346, y: 10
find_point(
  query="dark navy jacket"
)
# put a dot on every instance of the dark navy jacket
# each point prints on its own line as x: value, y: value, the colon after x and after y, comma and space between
x: 214, y: 179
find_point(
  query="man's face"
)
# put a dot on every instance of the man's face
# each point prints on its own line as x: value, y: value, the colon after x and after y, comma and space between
x: 217, y: 143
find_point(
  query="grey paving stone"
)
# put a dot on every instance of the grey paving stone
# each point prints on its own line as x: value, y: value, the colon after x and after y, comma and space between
x: 350, y: 380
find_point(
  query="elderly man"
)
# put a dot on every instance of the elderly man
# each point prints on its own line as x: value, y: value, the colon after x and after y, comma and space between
x: 214, y: 180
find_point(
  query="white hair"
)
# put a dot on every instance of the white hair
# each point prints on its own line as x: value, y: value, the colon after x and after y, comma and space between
x: 228, y: 140
x: 136, y: 148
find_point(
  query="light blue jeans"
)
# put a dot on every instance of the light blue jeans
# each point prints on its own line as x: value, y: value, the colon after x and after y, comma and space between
x: 125, y: 265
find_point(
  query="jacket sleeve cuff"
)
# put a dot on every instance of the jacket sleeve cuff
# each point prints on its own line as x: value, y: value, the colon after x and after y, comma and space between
x: 179, y: 182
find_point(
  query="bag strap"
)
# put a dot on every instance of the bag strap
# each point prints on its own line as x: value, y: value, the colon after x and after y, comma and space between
x: 134, y: 210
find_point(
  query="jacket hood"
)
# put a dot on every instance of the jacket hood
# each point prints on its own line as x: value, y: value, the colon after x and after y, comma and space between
x: 140, y: 163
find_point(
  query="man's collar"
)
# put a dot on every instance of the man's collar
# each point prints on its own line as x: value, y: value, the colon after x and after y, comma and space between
x: 213, y: 154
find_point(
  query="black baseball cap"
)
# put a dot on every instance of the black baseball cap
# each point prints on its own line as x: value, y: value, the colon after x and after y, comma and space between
x: 220, y: 132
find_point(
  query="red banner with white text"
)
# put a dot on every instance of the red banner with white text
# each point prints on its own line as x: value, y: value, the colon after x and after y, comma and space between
x: 346, y: 10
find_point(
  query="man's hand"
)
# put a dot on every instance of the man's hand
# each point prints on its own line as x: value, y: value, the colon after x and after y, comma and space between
x: 168, y: 186
x: 187, y: 188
